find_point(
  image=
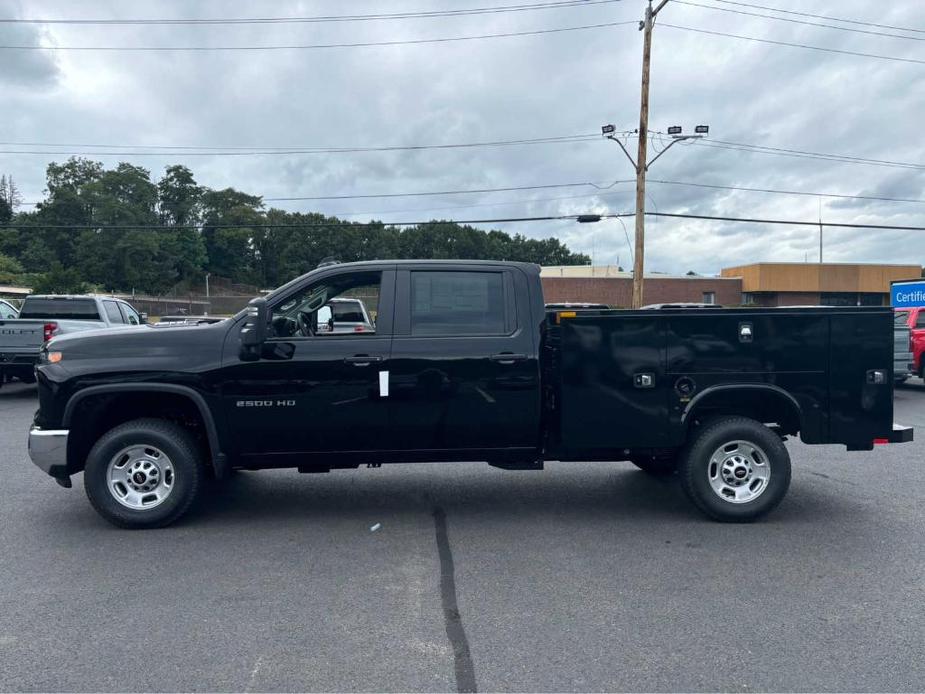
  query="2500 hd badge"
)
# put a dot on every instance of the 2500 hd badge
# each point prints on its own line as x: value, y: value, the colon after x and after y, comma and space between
x: 265, y: 403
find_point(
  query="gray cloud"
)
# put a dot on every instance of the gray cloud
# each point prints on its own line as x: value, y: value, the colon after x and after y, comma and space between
x: 507, y: 88
x: 30, y: 71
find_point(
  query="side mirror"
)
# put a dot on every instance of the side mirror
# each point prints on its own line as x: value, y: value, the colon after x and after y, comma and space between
x: 143, y: 317
x: 254, y: 332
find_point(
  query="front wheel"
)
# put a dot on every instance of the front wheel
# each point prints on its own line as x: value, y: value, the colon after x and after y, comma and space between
x: 143, y: 474
x: 735, y: 470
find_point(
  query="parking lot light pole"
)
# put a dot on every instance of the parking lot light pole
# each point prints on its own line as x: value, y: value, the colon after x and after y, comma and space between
x: 676, y: 133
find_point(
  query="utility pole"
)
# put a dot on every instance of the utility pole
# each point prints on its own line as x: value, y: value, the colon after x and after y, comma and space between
x: 642, y: 156
x: 820, y: 232
x: 641, y: 164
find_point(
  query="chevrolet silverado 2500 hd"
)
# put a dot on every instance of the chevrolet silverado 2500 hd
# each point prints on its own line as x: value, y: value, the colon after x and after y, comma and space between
x: 462, y: 363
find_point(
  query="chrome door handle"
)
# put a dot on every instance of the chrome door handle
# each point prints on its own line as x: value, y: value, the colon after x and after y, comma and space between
x: 362, y: 360
x: 507, y: 358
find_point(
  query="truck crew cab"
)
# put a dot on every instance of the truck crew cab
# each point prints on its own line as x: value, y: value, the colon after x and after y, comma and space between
x: 462, y: 363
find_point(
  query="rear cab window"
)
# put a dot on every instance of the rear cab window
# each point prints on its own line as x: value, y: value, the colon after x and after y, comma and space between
x: 61, y: 309
x: 454, y: 303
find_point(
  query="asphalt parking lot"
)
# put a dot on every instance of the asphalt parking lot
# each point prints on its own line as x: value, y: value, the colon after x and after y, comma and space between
x: 583, y: 577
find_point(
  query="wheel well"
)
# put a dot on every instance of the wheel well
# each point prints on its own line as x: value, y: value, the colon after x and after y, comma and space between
x: 761, y: 404
x: 96, y: 414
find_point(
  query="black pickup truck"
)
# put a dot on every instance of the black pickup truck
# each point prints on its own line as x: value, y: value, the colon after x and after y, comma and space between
x: 463, y: 363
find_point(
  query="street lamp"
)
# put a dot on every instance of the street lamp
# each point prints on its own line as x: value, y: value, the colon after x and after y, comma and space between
x: 641, y: 167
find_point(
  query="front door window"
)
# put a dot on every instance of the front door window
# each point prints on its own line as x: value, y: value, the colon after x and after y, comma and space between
x: 345, y: 304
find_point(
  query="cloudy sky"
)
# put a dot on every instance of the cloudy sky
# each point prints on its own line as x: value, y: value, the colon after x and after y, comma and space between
x: 522, y: 87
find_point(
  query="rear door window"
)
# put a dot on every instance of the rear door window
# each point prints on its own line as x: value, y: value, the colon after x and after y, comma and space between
x: 112, y: 312
x: 458, y: 303
x: 62, y: 309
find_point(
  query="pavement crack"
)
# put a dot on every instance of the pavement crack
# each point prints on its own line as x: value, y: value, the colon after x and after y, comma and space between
x: 462, y: 657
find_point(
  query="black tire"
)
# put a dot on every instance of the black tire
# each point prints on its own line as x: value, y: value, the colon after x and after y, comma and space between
x: 655, y: 465
x: 696, y: 468
x: 187, y: 472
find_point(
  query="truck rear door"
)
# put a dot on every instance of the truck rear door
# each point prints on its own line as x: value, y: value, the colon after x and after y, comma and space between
x: 464, y: 370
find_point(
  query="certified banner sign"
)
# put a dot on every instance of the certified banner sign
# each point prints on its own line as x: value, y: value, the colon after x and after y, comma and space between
x: 908, y: 294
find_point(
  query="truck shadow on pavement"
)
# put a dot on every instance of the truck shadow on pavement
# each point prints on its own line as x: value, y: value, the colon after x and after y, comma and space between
x: 611, y: 492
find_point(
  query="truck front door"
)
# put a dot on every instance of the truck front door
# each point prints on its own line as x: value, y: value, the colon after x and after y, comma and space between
x: 315, y: 391
x: 464, y: 373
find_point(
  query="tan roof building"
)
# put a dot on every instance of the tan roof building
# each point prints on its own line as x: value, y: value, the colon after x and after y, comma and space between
x: 828, y: 284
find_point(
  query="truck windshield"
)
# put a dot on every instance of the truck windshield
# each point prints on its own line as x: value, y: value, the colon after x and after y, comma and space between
x: 63, y: 309
x: 901, y: 319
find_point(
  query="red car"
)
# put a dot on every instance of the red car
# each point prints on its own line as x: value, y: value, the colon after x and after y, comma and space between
x: 916, y: 323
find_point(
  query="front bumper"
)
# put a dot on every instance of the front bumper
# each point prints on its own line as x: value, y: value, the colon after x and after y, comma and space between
x: 48, y: 450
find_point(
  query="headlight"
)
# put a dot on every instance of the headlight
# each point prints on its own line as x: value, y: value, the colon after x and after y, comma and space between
x: 47, y: 357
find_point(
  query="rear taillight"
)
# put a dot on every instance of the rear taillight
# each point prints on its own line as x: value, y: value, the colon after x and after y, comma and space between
x: 359, y: 329
x: 49, y: 330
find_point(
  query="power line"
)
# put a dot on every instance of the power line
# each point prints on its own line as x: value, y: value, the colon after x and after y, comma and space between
x: 842, y: 158
x: 206, y: 151
x: 359, y: 44
x: 788, y: 192
x: 549, y: 186
x: 447, y: 192
x: 791, y: 222
x: 502, y: 9
x: 798, y: 45
x: 216, y: 150
x: 499, y: 220
x: 601, y: 188
x: 800, y: 21
x: 304, y: 225
x: 822, y: 16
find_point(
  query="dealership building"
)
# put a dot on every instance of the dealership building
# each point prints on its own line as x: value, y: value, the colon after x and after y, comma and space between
x: 758, y: 284
x: 826, y: 284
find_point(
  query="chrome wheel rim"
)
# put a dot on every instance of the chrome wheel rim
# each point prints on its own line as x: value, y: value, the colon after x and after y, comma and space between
x: 140, y: 477
x: 739, y: 472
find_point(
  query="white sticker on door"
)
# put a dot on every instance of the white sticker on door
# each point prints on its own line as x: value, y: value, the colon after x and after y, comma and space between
x: 383, y: 384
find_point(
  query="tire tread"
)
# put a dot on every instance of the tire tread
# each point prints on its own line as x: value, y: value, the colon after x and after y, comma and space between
x: 181, y: 438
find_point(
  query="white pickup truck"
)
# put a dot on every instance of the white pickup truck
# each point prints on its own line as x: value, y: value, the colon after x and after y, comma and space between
x: 43, y: 317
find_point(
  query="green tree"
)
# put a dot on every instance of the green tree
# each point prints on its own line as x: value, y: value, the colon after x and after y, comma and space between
x: 60, y: 280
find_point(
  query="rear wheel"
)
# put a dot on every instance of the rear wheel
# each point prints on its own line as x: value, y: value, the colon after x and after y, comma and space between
x: 735, y: 470
x: 144, y: 474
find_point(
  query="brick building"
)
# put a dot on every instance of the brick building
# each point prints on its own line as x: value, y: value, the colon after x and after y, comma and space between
x: 608, y: 285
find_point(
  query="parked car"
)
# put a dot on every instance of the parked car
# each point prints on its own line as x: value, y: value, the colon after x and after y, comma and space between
x: 188, y: 320
x: 8, y: 311
x: 465, y: 364
x: 914, y: 318
x: 903, y: 358
x: 42, y: 317
x: 345, y: 315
